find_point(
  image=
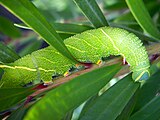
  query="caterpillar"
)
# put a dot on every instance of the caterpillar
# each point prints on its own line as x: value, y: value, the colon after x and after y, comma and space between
x: 89, y: 46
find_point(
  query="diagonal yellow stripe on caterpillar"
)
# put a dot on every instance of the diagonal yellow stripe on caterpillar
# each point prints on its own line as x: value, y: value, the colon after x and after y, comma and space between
x: 110, y: 40
x: 99, y: 41
x: 46, y: 60
x: 86, y: 42
x: 25, y: 68
x: 75, y: 48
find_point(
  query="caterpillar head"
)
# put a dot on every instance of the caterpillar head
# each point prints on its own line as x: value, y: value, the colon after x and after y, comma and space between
x: 141, y: 75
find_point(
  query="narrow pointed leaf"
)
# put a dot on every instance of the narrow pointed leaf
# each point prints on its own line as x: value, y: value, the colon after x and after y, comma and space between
x: 7, y: 55
x: 125, y: 114
x: 11, y: 96
x: 32, y: 17
x: 92, y: 11
x: 69, y: 115
x: 70, y: 28
x: 18, y: 114
x: 111, y: 103
x: 67, y: 28
x: 70, y: 95
x: 114, y: 4
x: 154, y: 116
x: 88, y: 104
x: 35, y: 45
x: 152, y: 108
x: 142, y: 16
x: 8, y: 28
x: 1, y: 73
x: 148, y: 91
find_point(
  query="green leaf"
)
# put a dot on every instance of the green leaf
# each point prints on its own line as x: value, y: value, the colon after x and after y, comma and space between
x: 1, y: 73
x: 114, y: 4
x: 152, y: 7
x: 88, y: 104
x: 32, y: 17
x: 18, y: 114
x: 33, y: 46
x: 70, y: 95
x: 68, y: 116
x: 148, y: 91
x: 124, y: 17
x: 111, y: 103
x: 7, y: 55
x: 155, y: 66
x: 65, y: 35
x: 65, y: 30
x: 11, y: 96
x: 151, y: 111
x: 68, y: 28
x: 142, y: 16
x: 8, y: 28
x: 155, y: 115
x: 91, y: 10
x: 127, y: 111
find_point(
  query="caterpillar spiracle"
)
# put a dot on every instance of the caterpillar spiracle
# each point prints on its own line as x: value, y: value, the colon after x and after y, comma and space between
x: 90, y: 45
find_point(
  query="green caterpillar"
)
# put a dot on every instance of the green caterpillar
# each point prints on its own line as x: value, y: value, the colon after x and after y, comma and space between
x: 89, y: 46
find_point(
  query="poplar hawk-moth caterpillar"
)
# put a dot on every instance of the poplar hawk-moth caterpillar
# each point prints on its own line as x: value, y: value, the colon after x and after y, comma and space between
x: 90, y: 45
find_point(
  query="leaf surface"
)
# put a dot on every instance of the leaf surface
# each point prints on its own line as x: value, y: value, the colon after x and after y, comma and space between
x: 92, y: 11
x: 127, y: 111
x: 148, y: 91
x: 8, y: 28
x: 142, y: 16
x: 151, y: 111
x: 70, y: 95
x: 7, y: 55
x: 68, y: 28
x: 111, y: 103
x: 11, y: 96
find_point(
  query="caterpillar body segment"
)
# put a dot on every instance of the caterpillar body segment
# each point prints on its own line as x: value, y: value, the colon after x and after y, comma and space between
x: 89, y: 46
x: 107, y: 41
x: 40, y: 65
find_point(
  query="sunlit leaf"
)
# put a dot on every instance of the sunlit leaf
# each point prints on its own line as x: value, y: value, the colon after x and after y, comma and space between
x: 92, y: 11
x: 142, y: 16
